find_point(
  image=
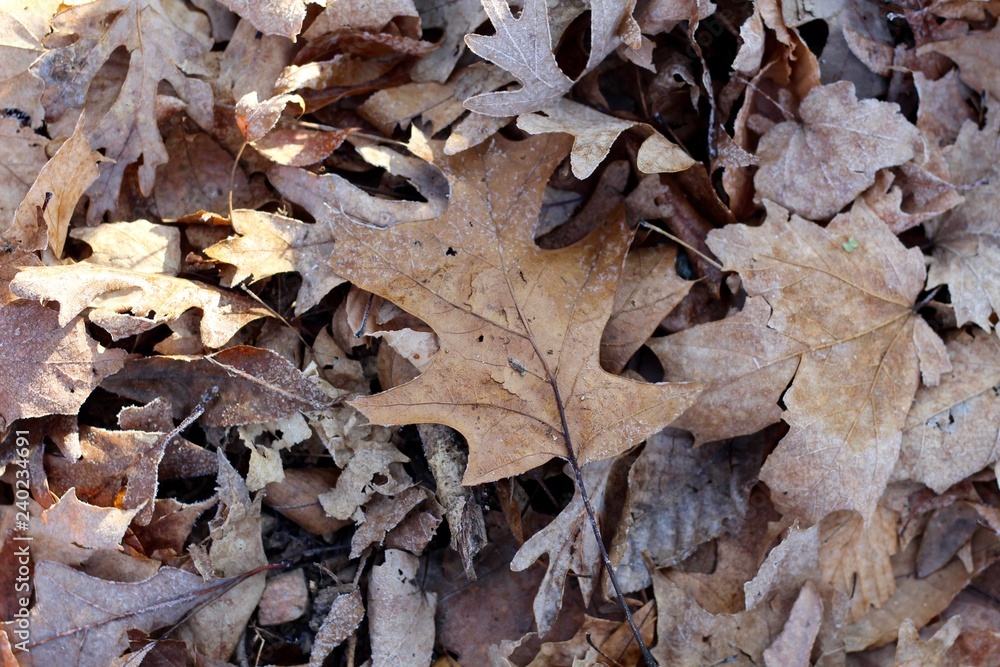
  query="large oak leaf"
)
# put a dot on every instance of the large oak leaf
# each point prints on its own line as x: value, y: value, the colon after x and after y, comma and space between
x: 514, y: 321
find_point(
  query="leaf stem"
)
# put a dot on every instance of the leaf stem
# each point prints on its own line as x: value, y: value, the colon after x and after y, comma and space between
x: 643, y: 223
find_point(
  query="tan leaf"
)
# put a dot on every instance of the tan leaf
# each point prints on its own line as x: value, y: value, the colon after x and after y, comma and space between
x: 387, y: 513
x: 340, y: 623
x: 47, y: 367
x: 456, y: 19
x: 792, y: 648
x: 24, y: 156
x: 140, y: 246
x: 746, y: 367
x: 400, y: 615
x: 542, y: 82
x: 650, y: 288
x: 255, y: 385
x: 163, y: 45
x: 911, y: 651
x: 295, y: 497
x: 976, y: 54
x: 118, y: 469
x: 316, y: 192
x: 817, y: 166
x: 570, y: 545
x: 854, y: 557
x: 511, y: 318
x: 235, y: 548
x: 966, y: 254
x: 940, y: 115
x: 197, y: 177
x: 953, y: 430
x: 21, y: 89
x: 93, y: 629
x: 80, y: 286
x: 594, y: 133
x: 274, y: 17
x: 43, y: 217
x: 270, y: 244
x: 918, y: 598
x: 689, y: 636
x: 845, y: 293
x: 680, y: 496
x: 300, y: 147
x: 69, y: 531
x: 255, y: 118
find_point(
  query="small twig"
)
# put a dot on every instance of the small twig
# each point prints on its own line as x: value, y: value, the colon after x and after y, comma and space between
x: 232, y: 178
x: 364, y: 318
x: 578, y: 473
x: 643, y: 223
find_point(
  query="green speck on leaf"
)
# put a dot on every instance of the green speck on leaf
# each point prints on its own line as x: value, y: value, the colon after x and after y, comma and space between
x: 849, y: 245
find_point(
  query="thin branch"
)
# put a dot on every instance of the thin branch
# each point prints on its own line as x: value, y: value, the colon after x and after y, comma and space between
x: 578, y: 473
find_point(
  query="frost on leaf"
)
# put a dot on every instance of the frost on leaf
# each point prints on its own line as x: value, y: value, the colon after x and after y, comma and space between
x: 163, y: 39
x: 819, y: 165
x: 46, y: 366
x: 523, y: 47
x: 495, y: 298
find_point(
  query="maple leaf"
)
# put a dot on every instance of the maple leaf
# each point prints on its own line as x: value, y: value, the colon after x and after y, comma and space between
x: 47, y: 366
x: 854, y: 557
x: 817, y: 166
x: 163, y: 39
x: 966, y: 253
x: 855, y: 365
x: 514, y: 321
x: 976, y: 54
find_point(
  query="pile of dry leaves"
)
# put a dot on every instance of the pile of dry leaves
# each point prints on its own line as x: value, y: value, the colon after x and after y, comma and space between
x: 726, y: 273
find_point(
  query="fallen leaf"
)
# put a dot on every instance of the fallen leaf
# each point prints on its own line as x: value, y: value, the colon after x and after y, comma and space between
x: 118, y: 469
x: 792, y: 648
x: 139, y: 246
x: 20, y: 88
x: 594, y: 133
x: 570, y: 544
x: 80, y: 286
x: 911, y: 651
x: 953, y: 429
x: 47, y: 367
x: 340, y: 623
x: 70, y: 530
x: 542, y: 82
x: 817, y: 166
x: 42, y: 219
x: 296, y: 497
x: 974, y: 53
x: 24, y: 155
x: 966, y: 242
x: 871, y: 347
x: 687, y: 635
x: 948, y: 530
x: 236, y: 547
x: 401, y: 616
x: 164, y: 45
x: 254, y: 385
x: 456, y: 18
x: 93, y: 630
x: 680, y: 496
x: 854, y: 557
x: 476, y: 273
x: 270, y: 244
x: 274, y: 17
